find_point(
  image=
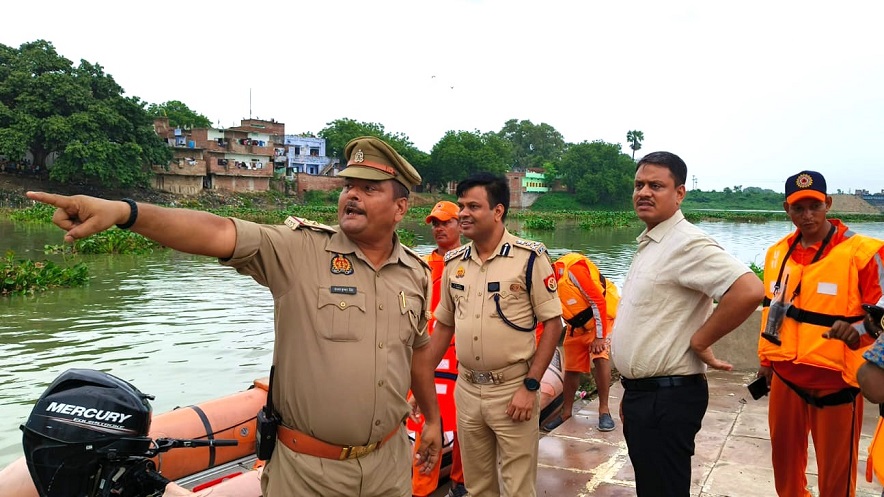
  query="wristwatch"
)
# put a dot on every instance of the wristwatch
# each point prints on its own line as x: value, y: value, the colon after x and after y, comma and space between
x: 531, y: 384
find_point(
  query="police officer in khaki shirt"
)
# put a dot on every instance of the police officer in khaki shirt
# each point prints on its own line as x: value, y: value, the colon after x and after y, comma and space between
x: 351, y: 306
x: 494, y: 291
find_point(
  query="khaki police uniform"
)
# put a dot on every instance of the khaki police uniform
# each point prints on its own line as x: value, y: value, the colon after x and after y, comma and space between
x: 343, y: 348
x: 494, y: 358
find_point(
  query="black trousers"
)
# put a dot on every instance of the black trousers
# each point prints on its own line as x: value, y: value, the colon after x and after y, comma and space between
x: 659, y: 427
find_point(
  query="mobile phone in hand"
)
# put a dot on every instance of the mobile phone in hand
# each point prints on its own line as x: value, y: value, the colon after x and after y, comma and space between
x: 877, y: 312
x: 758, y: 388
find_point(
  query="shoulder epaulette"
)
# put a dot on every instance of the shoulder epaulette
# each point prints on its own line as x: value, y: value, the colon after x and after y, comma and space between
x: 463, y: 251
x: 416, y: 256
x: 533, y: 246
x: 295, y: 223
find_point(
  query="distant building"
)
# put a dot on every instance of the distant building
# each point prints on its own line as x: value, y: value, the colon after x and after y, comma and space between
x: 240, y: 158
x: 304, y: 154
x: 534, y: 182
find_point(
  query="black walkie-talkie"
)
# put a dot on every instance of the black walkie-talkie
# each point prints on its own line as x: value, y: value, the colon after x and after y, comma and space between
x: 265, y: 438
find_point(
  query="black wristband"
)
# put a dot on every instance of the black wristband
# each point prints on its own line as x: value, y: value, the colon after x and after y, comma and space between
x: 133, y: 214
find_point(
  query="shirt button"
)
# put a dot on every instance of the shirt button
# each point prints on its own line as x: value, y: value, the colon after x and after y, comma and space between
x: 381, y: 383
x: 381, y: 307
x: 343, y: 304
x: 482, y: 270
x: 477, y: 316
x: 475, y: 339
x: 377, y: 422
x: 380, y: 345
x: 477, y: 358
x: 479, y: 294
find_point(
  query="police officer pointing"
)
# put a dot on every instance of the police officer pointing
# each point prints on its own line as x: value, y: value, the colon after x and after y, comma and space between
x: 351, y: 306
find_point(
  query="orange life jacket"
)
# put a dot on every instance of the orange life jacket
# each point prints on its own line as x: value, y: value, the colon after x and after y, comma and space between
x: 446, y: 371
x: 584, y: 301
x: 829, y: 291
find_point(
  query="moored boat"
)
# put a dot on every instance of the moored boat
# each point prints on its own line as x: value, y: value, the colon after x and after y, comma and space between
x: 226, y: 469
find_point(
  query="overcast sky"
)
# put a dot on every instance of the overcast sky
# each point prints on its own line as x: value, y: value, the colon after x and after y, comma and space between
x: 747, y: 93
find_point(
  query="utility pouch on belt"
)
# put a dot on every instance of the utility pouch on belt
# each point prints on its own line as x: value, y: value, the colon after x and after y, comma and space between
x: 268, y: 421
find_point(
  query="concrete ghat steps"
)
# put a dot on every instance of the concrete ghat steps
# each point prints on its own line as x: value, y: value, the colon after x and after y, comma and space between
x: 732, y: 452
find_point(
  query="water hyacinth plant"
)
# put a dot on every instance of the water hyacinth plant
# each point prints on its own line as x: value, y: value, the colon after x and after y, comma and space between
x: 26, y: 277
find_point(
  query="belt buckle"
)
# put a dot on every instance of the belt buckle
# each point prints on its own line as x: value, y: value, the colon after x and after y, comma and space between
x: 483, y: 377
x: 357, y: 451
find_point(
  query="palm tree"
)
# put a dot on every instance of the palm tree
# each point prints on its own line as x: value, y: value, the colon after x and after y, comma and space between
x: 635, y: 141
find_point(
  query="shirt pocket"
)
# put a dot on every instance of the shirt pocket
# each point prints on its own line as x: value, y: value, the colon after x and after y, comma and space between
x: 410, y: 319
x: 513, y: 296
x: 459, y: 295
x: 341, y: 317
x: 643, y: 290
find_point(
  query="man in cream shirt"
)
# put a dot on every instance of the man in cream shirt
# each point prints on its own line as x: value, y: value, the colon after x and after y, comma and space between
x: 666, y: 325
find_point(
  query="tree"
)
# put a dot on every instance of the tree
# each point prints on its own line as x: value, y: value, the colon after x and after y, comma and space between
x: 635, y: 141
x: 340, y: 131
x: 598, y: 173
x: 79, y: 114
x: 461, y: 153
x: 532, y: 145
x: 179, y: 114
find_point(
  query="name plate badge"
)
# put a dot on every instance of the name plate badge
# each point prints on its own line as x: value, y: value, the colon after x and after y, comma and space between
x: 347, y: 290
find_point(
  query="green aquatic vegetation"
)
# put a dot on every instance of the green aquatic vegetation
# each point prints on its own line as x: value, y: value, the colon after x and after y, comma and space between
x: 758, y: 270
x: 37, y: 213
x: 619, y: 219
x: 539, y: 223
x: 407, y: 237
x: 26, y: 277
x: 112, y: 241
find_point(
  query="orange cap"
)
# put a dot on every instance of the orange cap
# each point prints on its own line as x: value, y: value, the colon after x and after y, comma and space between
x: 443, y: 211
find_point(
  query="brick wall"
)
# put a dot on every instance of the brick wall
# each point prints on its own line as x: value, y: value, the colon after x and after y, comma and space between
x: 241, y: 183
x: 182, y: 185
x: 307, y: 182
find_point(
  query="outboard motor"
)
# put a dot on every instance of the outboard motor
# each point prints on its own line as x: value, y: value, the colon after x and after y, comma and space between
x: 86, y: 433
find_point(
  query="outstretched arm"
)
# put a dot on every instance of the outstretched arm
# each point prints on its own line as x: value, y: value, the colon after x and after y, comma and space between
x: 185, y: 230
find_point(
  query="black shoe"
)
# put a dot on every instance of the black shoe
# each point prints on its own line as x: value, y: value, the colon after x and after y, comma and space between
x: 552, y: 425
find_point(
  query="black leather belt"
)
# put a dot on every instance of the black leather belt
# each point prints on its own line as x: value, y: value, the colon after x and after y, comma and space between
x: 657, y: 382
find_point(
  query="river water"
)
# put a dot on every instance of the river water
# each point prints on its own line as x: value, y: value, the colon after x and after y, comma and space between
x: 186, y: 329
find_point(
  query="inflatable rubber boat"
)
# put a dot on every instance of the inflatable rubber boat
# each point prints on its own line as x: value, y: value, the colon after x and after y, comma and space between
x: 207, y: 448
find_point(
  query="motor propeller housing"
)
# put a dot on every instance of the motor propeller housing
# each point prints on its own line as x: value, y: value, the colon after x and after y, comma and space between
x: 85, y: 423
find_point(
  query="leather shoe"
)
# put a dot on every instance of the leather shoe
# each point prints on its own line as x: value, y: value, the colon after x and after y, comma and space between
x: 606, y: 422
x: 553, y: 424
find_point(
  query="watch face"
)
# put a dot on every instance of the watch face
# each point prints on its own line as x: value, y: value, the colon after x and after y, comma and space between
x: 531, y: 384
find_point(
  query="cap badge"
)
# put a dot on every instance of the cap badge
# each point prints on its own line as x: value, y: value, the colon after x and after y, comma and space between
x: 341, y: 265
x: 803, y: 181
x: 359, y: 156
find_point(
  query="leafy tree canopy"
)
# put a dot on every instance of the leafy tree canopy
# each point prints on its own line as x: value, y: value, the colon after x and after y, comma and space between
x: 48, y: 106
x: 179, y: 114
x: 598, y: 173
x: 340, y: 131
x: 461, y: 153
x: 532, y: 144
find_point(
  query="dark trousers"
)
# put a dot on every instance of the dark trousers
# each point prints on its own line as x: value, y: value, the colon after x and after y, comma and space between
x: 659, y: 427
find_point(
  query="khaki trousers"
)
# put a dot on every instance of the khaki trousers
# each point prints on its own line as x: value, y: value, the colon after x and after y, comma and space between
x: 499, y: 454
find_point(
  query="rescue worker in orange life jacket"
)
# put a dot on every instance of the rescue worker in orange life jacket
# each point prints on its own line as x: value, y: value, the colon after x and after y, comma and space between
x: 815, y: 280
